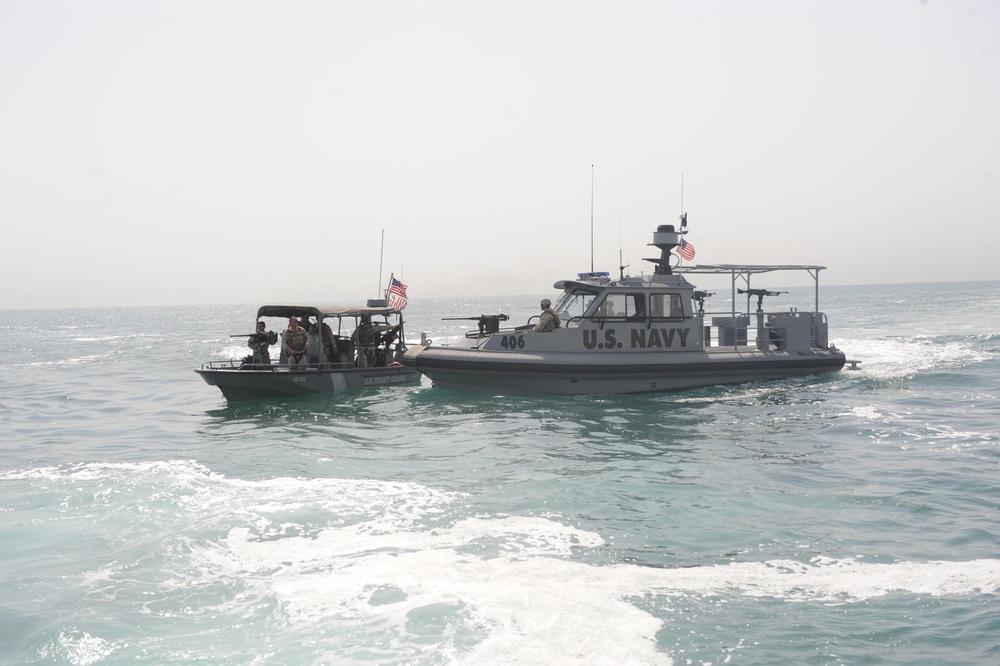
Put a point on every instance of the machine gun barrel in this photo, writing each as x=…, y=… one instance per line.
x=760, y=292
x=258, y=339
x=498, y=317
x=488, y=324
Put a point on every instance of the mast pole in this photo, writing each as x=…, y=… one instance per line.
x=591, y=218
x=381, y=251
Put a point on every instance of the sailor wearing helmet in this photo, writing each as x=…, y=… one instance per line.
x=366, y=337
x=548, y=319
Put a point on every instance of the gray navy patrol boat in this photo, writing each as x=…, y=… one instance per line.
x=639, y=335
x=250, y=378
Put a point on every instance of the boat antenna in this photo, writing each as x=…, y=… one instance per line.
x=621, y=266
x=381, y=251
x=684, y=215
x=591, y=218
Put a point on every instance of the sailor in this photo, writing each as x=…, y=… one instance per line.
x=295, y=343
x=606, y=309
x=329, y=344
x=315, y=338
x=548, y=319
x=259, y=343
x=366, y=336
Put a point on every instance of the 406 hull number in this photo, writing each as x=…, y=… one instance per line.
x=512, y=342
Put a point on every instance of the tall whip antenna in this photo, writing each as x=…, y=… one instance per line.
x=381, y=251
x=684, y=215
x=591, y=218
x=621, y=262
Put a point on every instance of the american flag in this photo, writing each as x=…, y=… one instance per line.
x=687, y=250
x=397, y=294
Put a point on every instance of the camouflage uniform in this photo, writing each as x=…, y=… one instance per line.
x=367, y=338
x=296, y=344
x=259, y=343
x=548, y=320
x=330, y=344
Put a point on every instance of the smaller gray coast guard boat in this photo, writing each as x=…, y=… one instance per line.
x=639, y=335
x=332, y=363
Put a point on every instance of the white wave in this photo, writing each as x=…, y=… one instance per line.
x=869, y=412
x=535, y=604
x=78, y=648
x=354, y=554
x=834, y=581
x=180, y=471
x=511, y=577
x=898, y=358
x=532, y=605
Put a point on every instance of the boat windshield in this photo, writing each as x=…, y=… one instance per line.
x=574, y=302
x=621, y=306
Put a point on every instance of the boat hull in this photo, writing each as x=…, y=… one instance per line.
x=576, y=374
x=245, y=384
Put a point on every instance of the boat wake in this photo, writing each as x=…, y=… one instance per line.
x=362, y=569
x=903, y=357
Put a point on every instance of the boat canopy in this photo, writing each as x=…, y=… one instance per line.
x=323, y=311
x=744, y=271
x=748, y=269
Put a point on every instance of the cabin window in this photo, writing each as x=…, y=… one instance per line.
x=621, y=306
x=574, y=303
x=666, y=306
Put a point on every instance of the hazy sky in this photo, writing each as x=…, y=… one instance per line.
x=158, y=153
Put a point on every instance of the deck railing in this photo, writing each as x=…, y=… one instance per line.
x=237, y=364
x=766, y=330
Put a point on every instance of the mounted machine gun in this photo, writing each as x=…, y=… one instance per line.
x=488, y=324
x=760, y=294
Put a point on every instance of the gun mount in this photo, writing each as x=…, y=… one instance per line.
x=488, y=324
x=760, y=294
x=699, y=297
x=259, y=339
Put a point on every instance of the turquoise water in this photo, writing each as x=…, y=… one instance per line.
x=847, y=519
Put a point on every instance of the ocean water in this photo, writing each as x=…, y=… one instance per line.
x=852, y=518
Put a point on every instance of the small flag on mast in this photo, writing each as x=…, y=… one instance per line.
x=397, y=294
x=687, y=250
